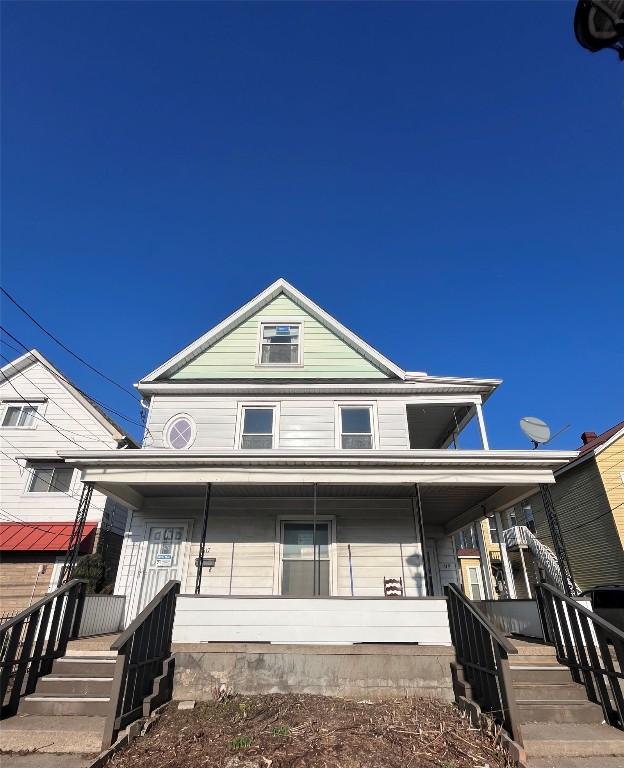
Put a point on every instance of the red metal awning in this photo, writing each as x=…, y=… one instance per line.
x=39, y=537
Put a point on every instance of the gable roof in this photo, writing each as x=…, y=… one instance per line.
x=280, y=286
x=596, y=446
x=28, y=359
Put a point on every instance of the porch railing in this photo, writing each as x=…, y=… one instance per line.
x=483, y=657
x=143, y=677
x=102, y=615
x=32, y=640
x=591, y=647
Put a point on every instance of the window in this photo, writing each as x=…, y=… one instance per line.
x=511, y=514
x=356, y=426
x=493, y=530
x=529, y=520
x=465, y=539
x=180, y=432
x=474, y=583
x=19, y=415
x=305, y=559
x=257, y=427
x=50, y=480
x=280, y=344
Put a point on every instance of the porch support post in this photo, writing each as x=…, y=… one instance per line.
x=316, y=587
x=202, y=541
x=527, y=583
x=486, y=569
x=419, y=528
x=507, y=572
x=484, y=440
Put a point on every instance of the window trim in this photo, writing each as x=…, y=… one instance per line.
x=479, y=582
x=279, y=321
x=171, y=422
x=372, y=406
x=39, y=404
x=30, y=476
x=279, y=549
x=240, y=415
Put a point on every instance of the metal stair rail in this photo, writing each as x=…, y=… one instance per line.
x=32, y=640
x=520, y=535
x=483, y=655
x=143, y=676
x=592, y=648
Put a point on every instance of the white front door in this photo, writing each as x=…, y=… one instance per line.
x=163, y=561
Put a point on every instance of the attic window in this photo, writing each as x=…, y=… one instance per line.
x=180, y=432
x=280, y=344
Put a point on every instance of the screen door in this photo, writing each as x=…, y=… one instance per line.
x=305, y=559
x=163, y=561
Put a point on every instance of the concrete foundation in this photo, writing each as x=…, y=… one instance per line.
x=352, y=671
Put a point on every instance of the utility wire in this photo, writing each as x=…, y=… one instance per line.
x=66, y=348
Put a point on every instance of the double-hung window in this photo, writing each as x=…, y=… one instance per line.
x=258, y=426
x=50, y=480
x=19, y=415
x=280, y=344
x=356, y=426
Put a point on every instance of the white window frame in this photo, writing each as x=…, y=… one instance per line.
x=33, y=402
x=279, y=549
x=238, y=439
x=171, y=422
x=372, y=406
x=30, y=475
x=279, y=321
x=479, y=582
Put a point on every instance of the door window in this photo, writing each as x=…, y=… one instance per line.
x=305, y=559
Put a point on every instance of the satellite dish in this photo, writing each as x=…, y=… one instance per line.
x=535, y=429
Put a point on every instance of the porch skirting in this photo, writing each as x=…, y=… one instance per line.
x=356, y=671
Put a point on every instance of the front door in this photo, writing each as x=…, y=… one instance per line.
x=305, y=559
x=163, y=561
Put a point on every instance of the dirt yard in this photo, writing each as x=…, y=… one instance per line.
x=311, y=732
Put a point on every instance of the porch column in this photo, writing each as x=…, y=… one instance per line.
x=486, y=570
x=202, y=541
x=507, y=572
x=484, y=440
x=419, y=529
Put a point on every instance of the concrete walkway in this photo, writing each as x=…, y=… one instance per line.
x=45, y=760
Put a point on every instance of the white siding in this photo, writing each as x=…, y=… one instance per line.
x=66, y=413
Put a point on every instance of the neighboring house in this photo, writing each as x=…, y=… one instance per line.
x=314, y=469
x=41, y=413
x=589, y=502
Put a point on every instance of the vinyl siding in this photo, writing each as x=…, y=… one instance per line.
x=611, y=467
x=594, y=549
x=326, y=356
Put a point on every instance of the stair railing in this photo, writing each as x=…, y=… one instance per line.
x=520, y=535
x=591, y=647
x=34, y=638
x=483, y=657
x=143, y=676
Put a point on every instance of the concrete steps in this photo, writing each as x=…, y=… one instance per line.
x=57, y=734
x=580, y=740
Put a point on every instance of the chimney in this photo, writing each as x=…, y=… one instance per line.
x=588, y=437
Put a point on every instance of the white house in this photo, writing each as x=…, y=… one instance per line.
x=314, y=469
x=42, y=413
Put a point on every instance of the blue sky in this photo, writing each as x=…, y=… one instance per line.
x=444, y=178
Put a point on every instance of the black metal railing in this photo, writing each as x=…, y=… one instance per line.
x=143, y=661
x=32, y=640
x=591, y=647
x=482, y=655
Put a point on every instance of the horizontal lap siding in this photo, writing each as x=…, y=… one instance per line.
x=611, y=465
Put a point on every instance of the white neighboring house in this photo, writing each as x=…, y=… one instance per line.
x=42, y=413
x=319, y=469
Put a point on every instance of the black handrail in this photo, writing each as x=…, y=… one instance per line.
x=32, y=640
x=587, y=644
x=142, y=650
x=482, y=655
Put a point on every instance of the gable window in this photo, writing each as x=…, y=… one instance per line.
x=280, y=344
x=180, y=432
x=258, y=426
x=356, y=426
x=19, y=415
x=50, y=480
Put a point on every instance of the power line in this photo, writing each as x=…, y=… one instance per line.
x=593, y=519
x=65, y=347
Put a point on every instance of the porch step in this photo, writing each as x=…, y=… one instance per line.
x=84, y=666
x=540, y=674
x=549, y=711
x=41, y=704
x=566, y=691
x=64, y=685
x=560, y=740
x=25, y=732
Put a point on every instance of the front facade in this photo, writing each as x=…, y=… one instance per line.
x=42, y=413
x=291, y=477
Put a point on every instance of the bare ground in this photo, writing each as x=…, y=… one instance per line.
x=288, y=731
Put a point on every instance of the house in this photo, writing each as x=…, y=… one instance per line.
x=589, y=499
x=290, y=470
x=41, y=413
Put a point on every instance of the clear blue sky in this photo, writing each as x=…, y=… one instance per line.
x=444, y=178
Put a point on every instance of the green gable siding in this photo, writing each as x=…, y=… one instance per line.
x=325, y=356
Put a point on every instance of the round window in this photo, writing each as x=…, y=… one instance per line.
x=181, y=432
